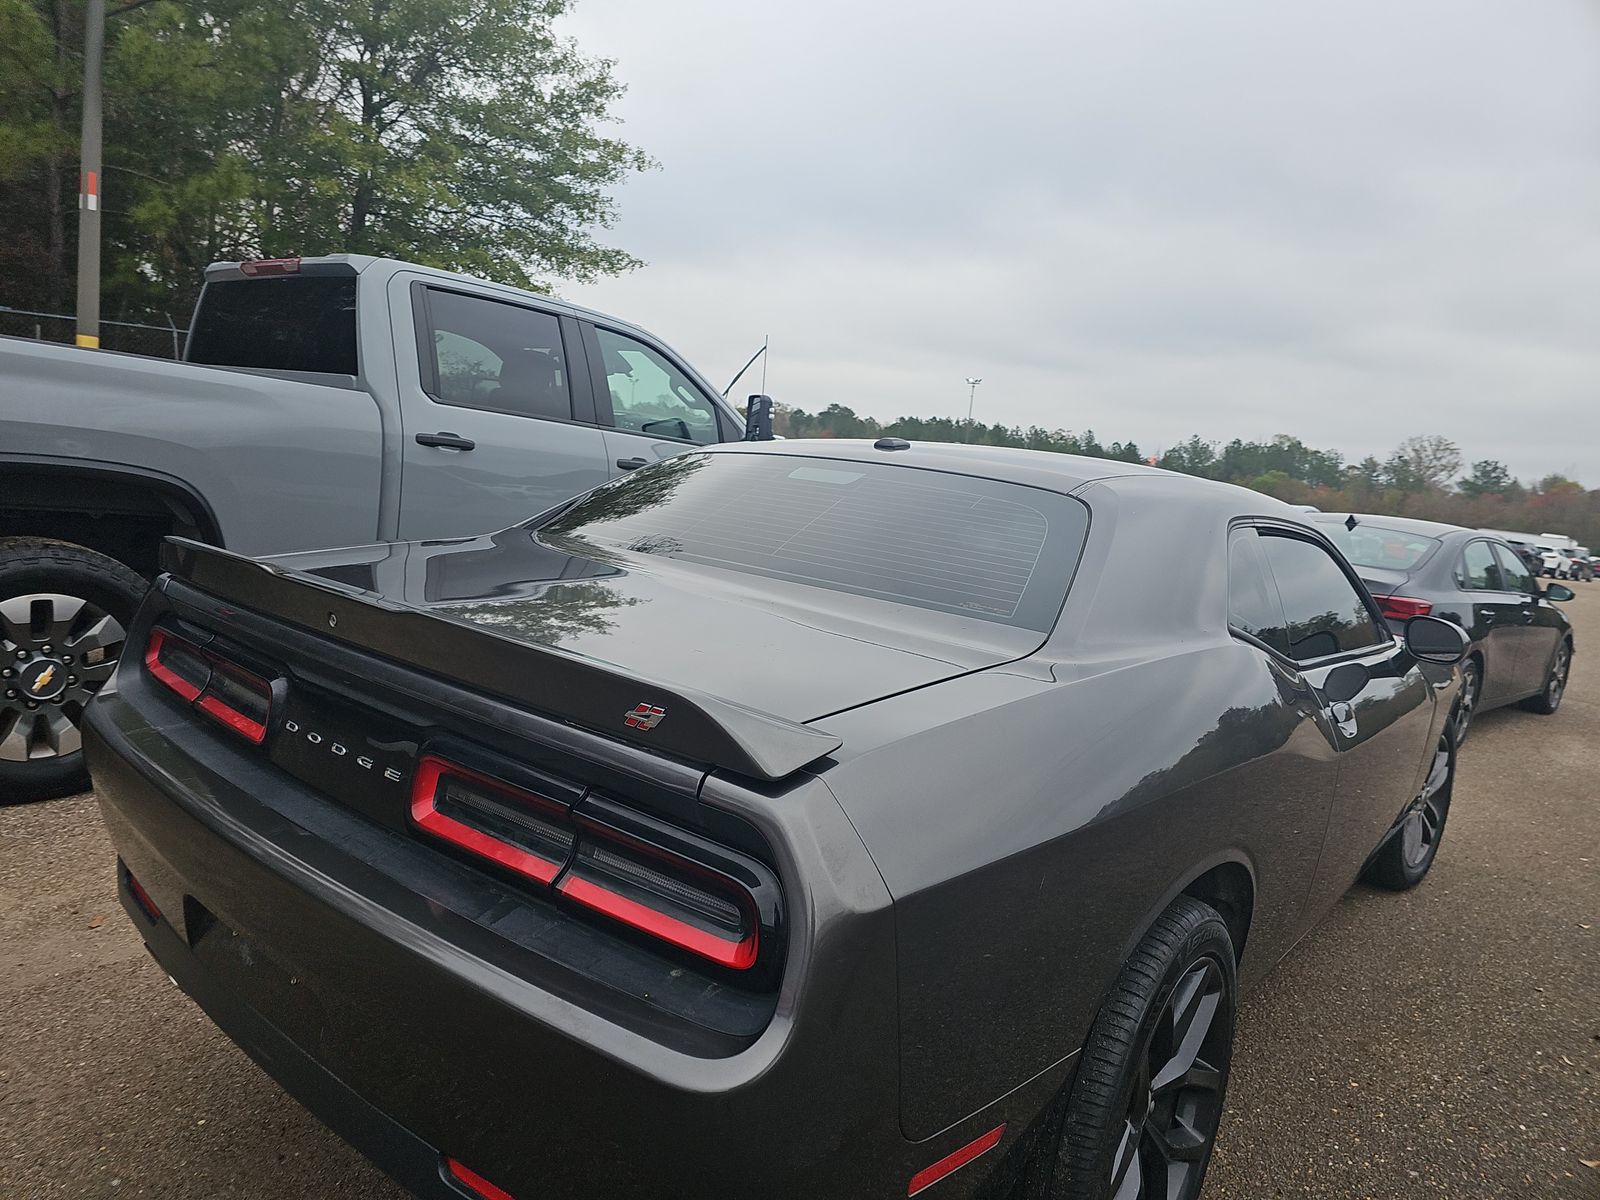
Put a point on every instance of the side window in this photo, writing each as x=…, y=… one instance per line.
x=649, y=395
x=1253, y=605
x=1324, y=612
x=1518, y=577
x=1479, y=571
x=499, y=357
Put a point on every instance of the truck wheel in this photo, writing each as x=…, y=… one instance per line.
x=64, y=611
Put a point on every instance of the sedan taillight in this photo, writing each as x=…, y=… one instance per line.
x=1402, y=608
x=236, y=698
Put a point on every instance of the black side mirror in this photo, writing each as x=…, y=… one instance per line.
x=1558, y=591
x=758, y=419
x=1432, y=639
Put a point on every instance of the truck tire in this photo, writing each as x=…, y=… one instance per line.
x=64, y=612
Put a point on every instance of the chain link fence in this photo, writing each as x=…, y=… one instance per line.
x=130, y=337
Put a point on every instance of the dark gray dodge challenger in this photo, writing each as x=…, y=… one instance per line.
x=788, y=819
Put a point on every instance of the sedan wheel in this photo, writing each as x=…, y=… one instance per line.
x=1467, y=700
x=1405, y=856
x=1143, y=1115
x=1555, y=682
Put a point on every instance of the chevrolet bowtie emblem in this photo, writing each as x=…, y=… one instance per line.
x=45, y=676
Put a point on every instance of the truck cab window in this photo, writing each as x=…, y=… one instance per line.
x=499, y=357
x=651, y=396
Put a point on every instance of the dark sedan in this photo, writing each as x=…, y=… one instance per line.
x=1521, y=643
x=822, y=820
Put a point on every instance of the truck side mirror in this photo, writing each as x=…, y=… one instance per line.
x=758, y=419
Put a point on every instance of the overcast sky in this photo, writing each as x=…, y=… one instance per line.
x=1349, y=222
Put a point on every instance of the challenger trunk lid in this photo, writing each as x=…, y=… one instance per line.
x=795, y=652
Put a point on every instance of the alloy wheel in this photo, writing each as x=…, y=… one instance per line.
x=1176, y=1103
x=1556, y=685
x=1424, y=820
x=1467, y=702
x=55, y=652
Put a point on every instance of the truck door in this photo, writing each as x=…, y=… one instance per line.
x=651, y=406
x=497, y=412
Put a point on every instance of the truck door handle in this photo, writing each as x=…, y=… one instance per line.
x=631, y=464
x=447, y=441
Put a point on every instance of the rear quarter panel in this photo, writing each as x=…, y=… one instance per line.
x=283, y=464
x=1038, y=820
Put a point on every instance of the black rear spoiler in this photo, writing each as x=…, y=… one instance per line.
x=695, y=726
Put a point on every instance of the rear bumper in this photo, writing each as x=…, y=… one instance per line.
x=410, y=1160
x=409, y=1033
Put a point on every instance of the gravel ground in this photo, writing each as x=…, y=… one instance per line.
x=1441, y=1043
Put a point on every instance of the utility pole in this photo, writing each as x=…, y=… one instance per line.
x=94, y=52
x=972, y=395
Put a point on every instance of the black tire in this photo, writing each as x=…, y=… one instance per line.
x=55, y=599
x=1555, y=681
x=1179, y=986
x=1467, y=699
x=1407, y=854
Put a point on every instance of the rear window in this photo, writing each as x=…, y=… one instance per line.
x=1370, y=545
x=975, y=547
x=279, y=323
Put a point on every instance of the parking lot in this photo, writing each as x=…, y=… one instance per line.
x=1444, y=1042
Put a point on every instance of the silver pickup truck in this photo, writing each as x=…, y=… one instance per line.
x=322, y=402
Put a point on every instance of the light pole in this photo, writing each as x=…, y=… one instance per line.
x=972, y=395
x=94, y=46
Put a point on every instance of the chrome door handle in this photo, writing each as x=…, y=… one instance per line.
x=1343, y=716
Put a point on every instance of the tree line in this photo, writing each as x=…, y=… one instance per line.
x=463, y=134
x=1424, y=477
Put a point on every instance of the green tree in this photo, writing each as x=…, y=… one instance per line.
x=1193, y=456
x=460, y=133
x=1400, y=474
x=1489, y=478
x=1432, y=460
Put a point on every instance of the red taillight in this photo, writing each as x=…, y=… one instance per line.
x=477, y=1183
x=1402, y=608
x=654, y=891
x=224, y=691
x=271, y=266
x=237, y=699
x=142, y=899
x=666, y=897
x=518, y=829
x=951, y=1163
x=181, y=666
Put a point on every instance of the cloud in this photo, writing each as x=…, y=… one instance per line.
x=1351, y=223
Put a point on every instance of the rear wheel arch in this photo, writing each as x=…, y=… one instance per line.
x=1227, y=877
x=120, y=512
x=1229, y=888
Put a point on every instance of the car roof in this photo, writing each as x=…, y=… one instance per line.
x=1036, y=468
x=1433, y=529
